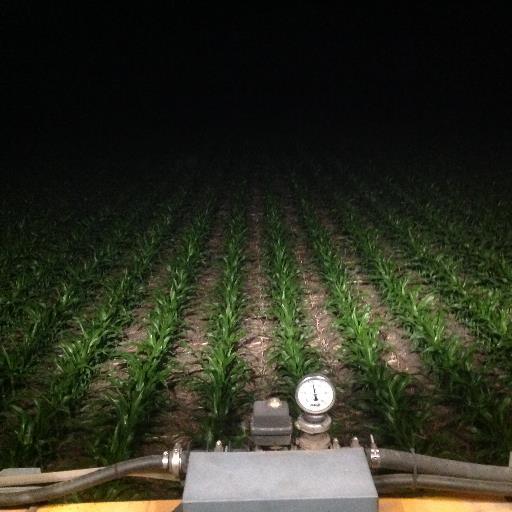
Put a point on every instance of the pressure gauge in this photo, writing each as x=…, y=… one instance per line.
x=315, y=394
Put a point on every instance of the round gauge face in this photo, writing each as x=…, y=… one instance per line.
x=315, y=394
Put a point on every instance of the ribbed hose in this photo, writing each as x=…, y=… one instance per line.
x=106, y=474
x=397, y=484
x=423, y=464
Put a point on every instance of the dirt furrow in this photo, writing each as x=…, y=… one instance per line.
x=401, y=355
x=324, y=336
x=453, y=326
x=257, y=325
x=347, y=419
x=176, y=419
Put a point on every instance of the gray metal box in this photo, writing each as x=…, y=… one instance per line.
x=283, y=481
x=271, y=425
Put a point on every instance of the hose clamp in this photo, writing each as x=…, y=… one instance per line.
x=172, y=460
x=374, y=454
x=165, y=461
x=176, y=460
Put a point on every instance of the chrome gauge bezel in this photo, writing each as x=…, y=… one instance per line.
x=306, y=380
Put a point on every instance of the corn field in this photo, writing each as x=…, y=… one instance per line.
x=137, y=316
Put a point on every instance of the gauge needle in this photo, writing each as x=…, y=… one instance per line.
x=314, y=393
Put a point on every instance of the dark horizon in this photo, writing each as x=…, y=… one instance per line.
x=84, y=80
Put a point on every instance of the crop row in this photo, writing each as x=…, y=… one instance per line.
x=486, y=312
x=37, y=279
x=482, y=311
x=41, y=319
x=224, y=374
x=37, y=427
x=134, y=395
x=391, y=396
x=461, y=382
x=32, y=246
x=47, y=320
x=291, y=354
x=491, y=267
x=486, y=209
x=484, y=219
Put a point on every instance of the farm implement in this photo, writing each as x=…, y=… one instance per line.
x=286, y=465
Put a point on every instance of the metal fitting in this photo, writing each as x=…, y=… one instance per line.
x=274, y=402
x=314, y=441
x=313, y=424
x=172, y=461
x=165, y=461
x=176, y=460
x=374, y=454
x=354, y=442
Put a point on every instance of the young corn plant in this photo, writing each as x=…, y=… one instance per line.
x=486, y=222
x=46, y=270
x=392, y=396
x=39, y=427
x=487, y=413
x=46, y=321
x=486, y=312
x=292, y=355
x=134, y=396
x=221, y=384
x=488, y=265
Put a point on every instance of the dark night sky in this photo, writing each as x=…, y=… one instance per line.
x=99, y=72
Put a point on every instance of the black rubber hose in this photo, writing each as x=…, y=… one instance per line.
x=406, y=461
x=398, y=483
x=106, y=474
